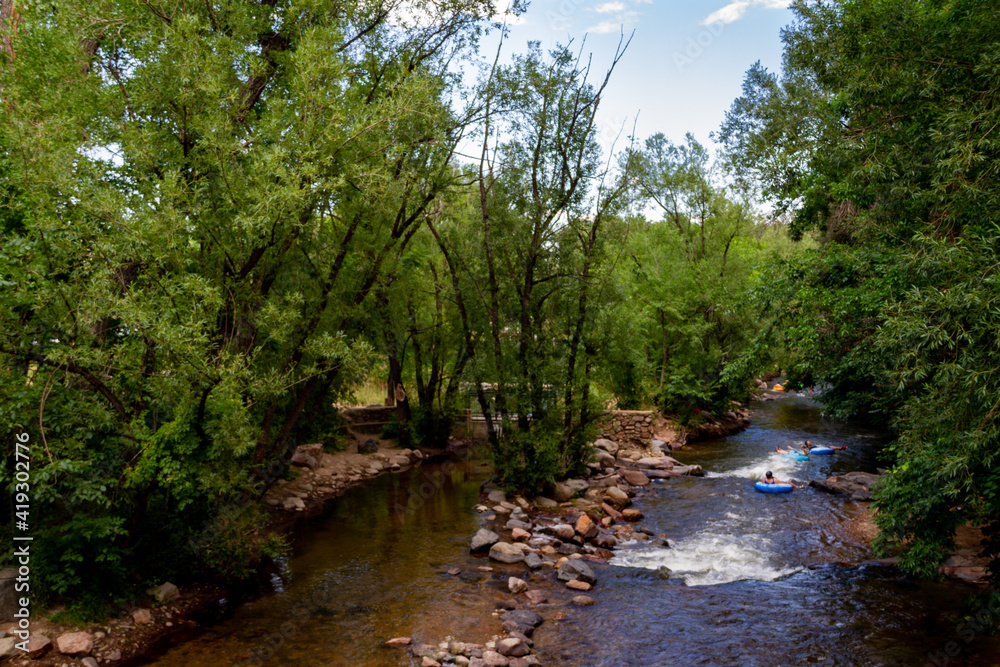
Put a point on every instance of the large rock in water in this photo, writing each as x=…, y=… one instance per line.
x=576, y=569
x=483, y=540
x=506, y=553
x=522, y=620
x=857, y=485
x=617, y=498
x=635, y=478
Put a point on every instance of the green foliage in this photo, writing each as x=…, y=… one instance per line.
x=527, y=462
x=240, y=544
x=880, y=132
x=687, y=274
x=195, y=212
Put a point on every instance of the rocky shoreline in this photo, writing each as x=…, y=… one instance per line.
x=167, y=611
x=547, y=549
x=602, y=500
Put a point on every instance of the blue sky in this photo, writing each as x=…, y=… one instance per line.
x=685, y=64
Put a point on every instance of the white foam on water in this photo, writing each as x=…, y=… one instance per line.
x=780, y=465
x=708, y=558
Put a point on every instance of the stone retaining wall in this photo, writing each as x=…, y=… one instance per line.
x=627, y=427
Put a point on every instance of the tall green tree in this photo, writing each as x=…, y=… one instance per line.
x=903, y=171
x=215, y=191
x=688, y=270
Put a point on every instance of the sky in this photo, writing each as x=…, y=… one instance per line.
x=685, y=64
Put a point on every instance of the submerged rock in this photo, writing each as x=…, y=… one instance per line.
x=506, y=553
x=483, y=540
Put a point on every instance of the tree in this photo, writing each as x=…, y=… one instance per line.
x=908, y=174
x=688, y=270
x=215, y=192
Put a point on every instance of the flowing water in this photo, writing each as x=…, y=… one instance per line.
x=754, y=579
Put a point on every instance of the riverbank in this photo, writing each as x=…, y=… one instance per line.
x=316, y=478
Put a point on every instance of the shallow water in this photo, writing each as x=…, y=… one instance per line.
x=755, y=579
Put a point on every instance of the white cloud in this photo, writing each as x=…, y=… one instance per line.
x=610, y=7
x=737, y=9
x=620, y=22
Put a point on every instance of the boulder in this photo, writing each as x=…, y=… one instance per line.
x=519, y=535
x=512, y=647
x=524, y=618
x=505, y=552
x=494, y=659
x=857, y=485
x=578, y=485
x=562, y=493
x=398, y=642
x=567, y=549
x=603, y=459
x=142, y=617
x=605, y=541
x=369, y=446
x=38, y=645
x=293, y=504
x=542, y=501
x=483, y=540
x=578, y=585
x=564, y=531
x=533, y=560
x=657, y=462
x=635, y=478
x=517, y=523
x=89, y=662
x=536, y=597
x=576, y=569
x=582, y=601
x=7, y=647
x=497, y=496
x=584, y=524
x=163, y=593
x=692, y=471
x=515, y=585
x=617, y=498
x=74, y=643
x=308, y=455
x=610, y=446
x=632, y=515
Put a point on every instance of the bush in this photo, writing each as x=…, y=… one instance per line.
x=238, y=544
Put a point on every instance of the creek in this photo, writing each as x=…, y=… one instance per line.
x=754, y=579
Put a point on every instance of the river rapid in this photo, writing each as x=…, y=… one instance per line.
x=751, y=578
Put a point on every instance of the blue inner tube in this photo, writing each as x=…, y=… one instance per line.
x=797, y=457
x=821, y=450
x=772, y=488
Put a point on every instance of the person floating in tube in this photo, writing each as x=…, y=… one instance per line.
x=804, y=452
x=771, y=479
x=809, y=446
